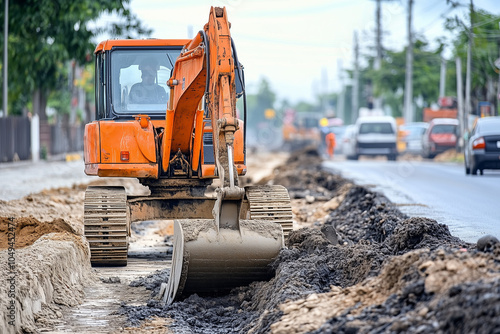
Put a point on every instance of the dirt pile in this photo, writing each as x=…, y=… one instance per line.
x=51, y=257
x=303, y=176
x=152, y=282
x=28, y=229
x=450, y=156
x=49, y=205
x=388, y=273
x=49, y=273
x=361, y=266
x=366, y=216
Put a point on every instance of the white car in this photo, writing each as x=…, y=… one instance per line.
x=376, y=135
x=412, y=134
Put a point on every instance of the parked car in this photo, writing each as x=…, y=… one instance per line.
x=376, y=135
x=348, y=142
x=412, y=134
x=440, y=136
x=483, y=147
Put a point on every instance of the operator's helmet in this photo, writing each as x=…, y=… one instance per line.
x=149, y=66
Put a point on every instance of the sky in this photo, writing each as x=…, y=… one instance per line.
x=299, y=46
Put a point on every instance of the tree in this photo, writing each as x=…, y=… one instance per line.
x=45, y=34
x=485, y=50
x=258, y=103
x=390, y=79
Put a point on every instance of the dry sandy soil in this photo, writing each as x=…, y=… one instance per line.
x=354, y=264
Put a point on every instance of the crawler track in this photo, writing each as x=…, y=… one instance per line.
x=106, y=225
x=271, y=203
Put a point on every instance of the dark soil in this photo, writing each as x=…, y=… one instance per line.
x=391, y=274
x=152, y=282
x=303, y=176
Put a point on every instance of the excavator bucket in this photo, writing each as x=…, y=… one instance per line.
x=209, y=260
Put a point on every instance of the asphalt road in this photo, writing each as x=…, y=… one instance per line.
x=18, y=179
x=469, y=205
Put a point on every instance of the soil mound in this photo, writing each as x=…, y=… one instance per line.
x=28, y=229
x=388, y=274
x=303, y=176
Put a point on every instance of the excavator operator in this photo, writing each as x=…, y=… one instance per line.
x=148, y=91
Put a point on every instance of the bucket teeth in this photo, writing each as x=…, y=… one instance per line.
x=106, y=225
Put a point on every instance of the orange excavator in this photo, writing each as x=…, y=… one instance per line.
x=166, y=114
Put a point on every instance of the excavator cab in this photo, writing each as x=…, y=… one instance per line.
x=166, y=114
x=123, y=69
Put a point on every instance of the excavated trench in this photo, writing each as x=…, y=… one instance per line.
x=355, y=264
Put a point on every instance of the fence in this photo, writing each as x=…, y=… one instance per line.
x=66, y=139
x=15, y=138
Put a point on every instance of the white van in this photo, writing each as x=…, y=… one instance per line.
x=376, y=135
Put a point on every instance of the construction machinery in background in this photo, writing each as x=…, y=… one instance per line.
x=446, y=108
x=177, y=149
x=301, y=129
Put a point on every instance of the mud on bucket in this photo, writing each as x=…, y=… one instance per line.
x=207, y=261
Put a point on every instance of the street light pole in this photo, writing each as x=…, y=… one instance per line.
x=5, y=64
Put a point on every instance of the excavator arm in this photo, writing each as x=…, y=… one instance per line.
x=213, y=255
x=208, y=55
x=205, y=68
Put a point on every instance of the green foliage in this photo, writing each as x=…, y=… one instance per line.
x=60, y=100
x=303, y=106
x=485, y=50
x=258, y=103
x=389, y=81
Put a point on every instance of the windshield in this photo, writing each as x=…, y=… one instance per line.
x=384, y=128
x=414, y=132
x=139, y=80
x=490, y=126
x=444, y=128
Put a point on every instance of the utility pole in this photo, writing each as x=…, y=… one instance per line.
x=5, y=61
x=341, y=98
x=355, y=84
x=460, y=102
x=498, y=84
x=408, y=105
x=377, y=65
x=377, y=102
x=442, y=78
x=378, y=59
x=468, y=104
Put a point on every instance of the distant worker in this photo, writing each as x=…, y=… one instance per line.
x=330, y=144
x=148, y=91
